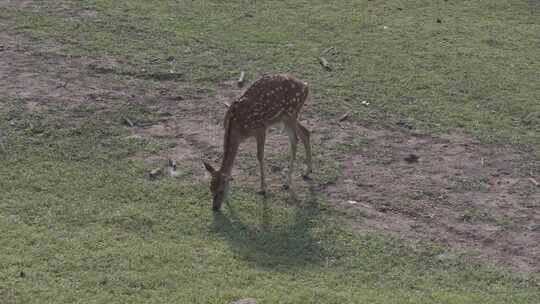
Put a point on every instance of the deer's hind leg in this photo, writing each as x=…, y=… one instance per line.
x=293, y=143
x=303, y=133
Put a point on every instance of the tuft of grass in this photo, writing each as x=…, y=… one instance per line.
x=474, y=215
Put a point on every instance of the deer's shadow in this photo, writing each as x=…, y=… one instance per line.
x=273, y=240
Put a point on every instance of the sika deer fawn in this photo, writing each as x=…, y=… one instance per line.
x=270, y=100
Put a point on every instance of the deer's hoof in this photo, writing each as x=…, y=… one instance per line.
x=262, y=192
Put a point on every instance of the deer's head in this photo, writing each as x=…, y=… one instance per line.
x=219, y=185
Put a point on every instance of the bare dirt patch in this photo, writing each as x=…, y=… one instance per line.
x=46, y=77
x=458, y=192
x=16, y=3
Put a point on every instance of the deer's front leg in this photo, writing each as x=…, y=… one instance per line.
x=261, y=139
x=293, y=142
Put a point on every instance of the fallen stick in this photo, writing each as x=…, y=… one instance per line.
x=328, y=50
x=129, y=122
x=344, y=116
x=154, y=173
x=324, y=63
x=534, y=181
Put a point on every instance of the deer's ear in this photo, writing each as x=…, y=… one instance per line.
x=209, y=167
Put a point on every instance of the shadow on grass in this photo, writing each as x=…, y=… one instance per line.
x=275, y=241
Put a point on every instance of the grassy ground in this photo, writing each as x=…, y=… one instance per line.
x=80, y=221
x=476, y=69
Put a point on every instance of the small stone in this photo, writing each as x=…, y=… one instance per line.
x=444, y=257
x=535, y=228
x=405, y=124
x=172, y=164
x=275, y=169
x=412, y=158
x=382, y=209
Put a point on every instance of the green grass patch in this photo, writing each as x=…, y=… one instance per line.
x=440, y=65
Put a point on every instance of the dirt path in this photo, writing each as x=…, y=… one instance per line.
x=458, y=192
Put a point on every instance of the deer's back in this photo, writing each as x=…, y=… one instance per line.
x=267, y=101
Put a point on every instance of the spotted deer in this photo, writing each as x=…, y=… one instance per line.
x=270, y=100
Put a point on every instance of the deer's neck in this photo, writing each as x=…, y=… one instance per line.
x=231, y=142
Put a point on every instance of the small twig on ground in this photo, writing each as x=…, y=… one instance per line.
x=328, y=50
x=129, y=122
x=534, y=181
x=344, y=116
x=63, y=85
x=226, y=104
x=1, y=142
x=241, y=79
x=154, y=173
x=324, y=63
